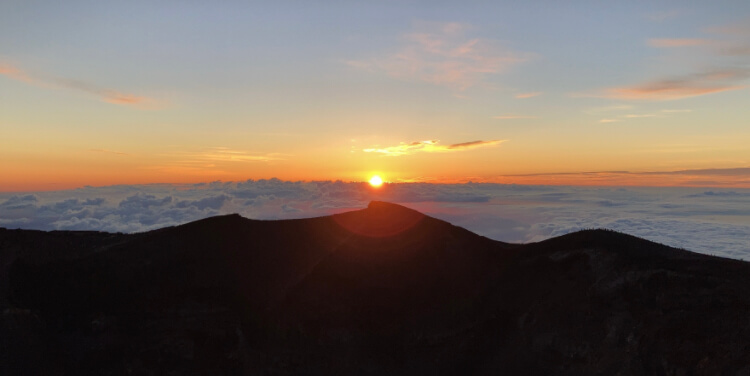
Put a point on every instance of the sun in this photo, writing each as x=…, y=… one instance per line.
x=376, y=181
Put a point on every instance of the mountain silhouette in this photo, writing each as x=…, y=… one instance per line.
x=383, y=290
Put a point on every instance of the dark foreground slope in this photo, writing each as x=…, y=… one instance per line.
x=384, y=290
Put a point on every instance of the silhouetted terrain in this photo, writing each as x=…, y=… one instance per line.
x=384, y=290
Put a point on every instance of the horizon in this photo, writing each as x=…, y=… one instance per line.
x=720, y=178
x=578, y=94
x=702, y=219
x=631, y=116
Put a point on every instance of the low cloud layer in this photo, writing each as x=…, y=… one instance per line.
x=712, y=221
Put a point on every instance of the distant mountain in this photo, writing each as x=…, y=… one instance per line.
x=383, y=290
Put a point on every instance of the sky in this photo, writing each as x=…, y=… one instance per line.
x=606, y=93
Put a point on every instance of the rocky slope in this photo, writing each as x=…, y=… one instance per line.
x=383, y=290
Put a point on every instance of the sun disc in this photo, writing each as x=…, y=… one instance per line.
x=376, y=181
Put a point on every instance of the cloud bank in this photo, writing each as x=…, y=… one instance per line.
x=712, y=221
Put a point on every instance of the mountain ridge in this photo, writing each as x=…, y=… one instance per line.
x=384, y=289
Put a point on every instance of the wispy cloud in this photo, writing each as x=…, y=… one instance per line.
x=733, y=44
x=430, y=146
x=528, y=95
x=738, y=28
x=720, y=177
x=473, y=144
x=735, y=38
x=14, y=73
x=509, y=117
x=224, y=154
x=738, y=171
x=703, y=83
x=662, y=114
x=441, y=54
x=212, y=160
x=677, y=42
x=103, y=94
x=727, y=49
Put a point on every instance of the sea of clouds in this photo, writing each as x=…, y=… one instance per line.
x=706, y=220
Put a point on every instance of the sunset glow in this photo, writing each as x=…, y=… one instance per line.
x=643, y=93
x=376, y=181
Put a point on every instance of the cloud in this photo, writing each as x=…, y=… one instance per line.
x=14, y=73
x=726, y=51
x=19, y=202
x=735, y=39
x=473, y=144
x=703, y=83
x=212, y=202
x=104, y=94
x=734, y=29
x=669, y=43
x=137, y=208
x=430, y=146
x=224, y=154
x=730, y=194
x=741, y=171
x=211, y=160
x=140, y=201
x=441, y=54
x=711, y=221
x=528, y=95
x=664, y=113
